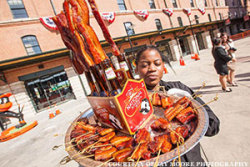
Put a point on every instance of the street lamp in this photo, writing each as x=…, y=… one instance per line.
x=129, y=28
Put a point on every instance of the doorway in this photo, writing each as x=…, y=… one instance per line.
x=164, y=48
x=49, y=90
x=200, y=41
x=183, y=41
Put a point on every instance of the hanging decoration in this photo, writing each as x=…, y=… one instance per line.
x=48, y=22
x=168, y=11
x=202, y=10
x=142, y=14
x=187, y=11
x=109, y=17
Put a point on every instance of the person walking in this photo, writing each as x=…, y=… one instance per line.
x=229, y=47
x=220, y=64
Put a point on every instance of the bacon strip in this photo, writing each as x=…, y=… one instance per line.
x=104, y=28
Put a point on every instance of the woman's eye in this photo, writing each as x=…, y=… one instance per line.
x=157, y=63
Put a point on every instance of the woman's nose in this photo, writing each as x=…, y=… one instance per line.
x=152, y=67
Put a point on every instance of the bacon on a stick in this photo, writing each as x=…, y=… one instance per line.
x=104, y=28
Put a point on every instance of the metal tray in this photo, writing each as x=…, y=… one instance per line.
x=190, y=143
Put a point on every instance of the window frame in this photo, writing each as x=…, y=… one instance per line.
x=192, y=3
x=196, y=17
x=15, y=8
x=174, y=3
x=152, y=4
x=159, y=26
x=209, y=17
x=28, y=47
x=127, y=30
x=180, y=21
x=119, y=3
x=205, y=3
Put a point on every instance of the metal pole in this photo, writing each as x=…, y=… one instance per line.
x=193, y=36
x=53, y=7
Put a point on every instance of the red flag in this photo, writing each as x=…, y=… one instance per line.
x=142, y=13
x=168, y=12
x=187, y=11
x=109, y=16
x=48, y=22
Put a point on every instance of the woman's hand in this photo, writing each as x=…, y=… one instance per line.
x=234, y=60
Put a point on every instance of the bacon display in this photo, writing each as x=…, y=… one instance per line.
x=104, y=28
x=103, y=155
x=78, y=35
x=186, y=115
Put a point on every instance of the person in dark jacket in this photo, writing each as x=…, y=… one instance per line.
x=150, y=66
x=220, y=64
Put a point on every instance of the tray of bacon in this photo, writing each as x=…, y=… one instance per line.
x=177, y=126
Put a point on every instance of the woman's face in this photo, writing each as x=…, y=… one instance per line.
x=150, y=67
x=224, y=38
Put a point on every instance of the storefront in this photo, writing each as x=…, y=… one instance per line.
x=200, y=41
x=48, y=87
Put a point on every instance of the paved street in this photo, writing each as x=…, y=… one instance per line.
x=34, y=148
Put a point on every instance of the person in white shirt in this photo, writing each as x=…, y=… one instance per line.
x=229, y=47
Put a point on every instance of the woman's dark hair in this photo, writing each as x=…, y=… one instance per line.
x=216, y=41
x=225, y=34
x=148, y=47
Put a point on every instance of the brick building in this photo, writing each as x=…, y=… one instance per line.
x=35, y=64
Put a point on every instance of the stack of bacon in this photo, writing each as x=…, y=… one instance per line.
x=78, y=35
x=105, y=145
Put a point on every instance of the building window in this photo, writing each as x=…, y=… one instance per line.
x=209, y=17
x=192, y=3
x=152, y=4
x=121, y=5
x=31, y=45
x=245, y=3
x=180, y=21
x=216, y=3
x=158, y=24
x=174, y=4
x=196, y=19
x=129, y=28
x=205, y=3
x=17, y=8
x=240, y=4
x=220, y=16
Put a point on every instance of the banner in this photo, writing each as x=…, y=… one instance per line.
x=109, y=16
x=48, y=22
x=202, y=10
x=168, y=12
x=187, y=11
x=142, y=13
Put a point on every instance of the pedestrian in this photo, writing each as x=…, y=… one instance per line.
x=229, y=47
x=221, y=59
x=150, y=67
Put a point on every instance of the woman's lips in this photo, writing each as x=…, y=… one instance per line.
x=152, y=77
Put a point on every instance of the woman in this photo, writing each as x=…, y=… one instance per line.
x=150, y=66
x=220, y=64
x=229, y=47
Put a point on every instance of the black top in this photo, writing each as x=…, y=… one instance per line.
x=220, y=55
x=194, y=155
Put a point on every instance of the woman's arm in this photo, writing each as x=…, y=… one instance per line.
x=223, y=54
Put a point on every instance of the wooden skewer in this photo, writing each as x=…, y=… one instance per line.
x=85, y=149
x=157, y=159
x=105, y=162
x=101, y=146
x=87, y=156
x=137, y=147
x=214, y=99
x=179, y=154
x=57, y=146
x=194, y=95
x=137, y=161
